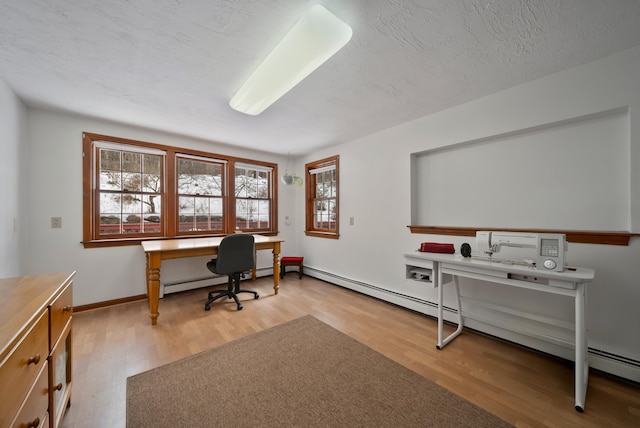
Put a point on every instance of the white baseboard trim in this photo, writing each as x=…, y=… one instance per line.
x=598, y=359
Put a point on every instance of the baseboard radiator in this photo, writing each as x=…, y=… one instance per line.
x=602, y=360
x=205, y=281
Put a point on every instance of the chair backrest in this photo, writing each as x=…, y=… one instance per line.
x=236, y=253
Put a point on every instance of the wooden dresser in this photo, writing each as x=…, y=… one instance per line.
x=35, y=349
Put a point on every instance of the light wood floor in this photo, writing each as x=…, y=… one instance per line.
x=523, y=387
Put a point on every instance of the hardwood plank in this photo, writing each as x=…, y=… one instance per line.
x=524, y=387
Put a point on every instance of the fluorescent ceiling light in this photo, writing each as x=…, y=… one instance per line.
x=313, y=39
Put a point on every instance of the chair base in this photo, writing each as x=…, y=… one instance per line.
x=231, y=292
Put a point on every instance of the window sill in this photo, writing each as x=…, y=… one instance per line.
x=136, y=241
x=318, y=234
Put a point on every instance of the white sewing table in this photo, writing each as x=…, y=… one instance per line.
x=572, y=283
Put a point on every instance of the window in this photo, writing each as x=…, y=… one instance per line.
x=128, y=190
x=322, y=198
x=134, y=190
x=200, y=194
x=253, y=197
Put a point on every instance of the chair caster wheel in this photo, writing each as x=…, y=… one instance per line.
x=239, y=307
x=207, y=307
x=256, y=296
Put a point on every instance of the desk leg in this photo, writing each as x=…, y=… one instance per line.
x=153, y=285
x=254, y=271
x=438, y=275
x=582, y=362
x=276, y=267
x=443, y=341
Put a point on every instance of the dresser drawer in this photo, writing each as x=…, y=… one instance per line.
x=61, y=310
x=21, y=367
x=34, y=410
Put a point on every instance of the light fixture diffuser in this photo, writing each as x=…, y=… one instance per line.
x=316, y=37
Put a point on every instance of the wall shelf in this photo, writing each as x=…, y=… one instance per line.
x=577, y=236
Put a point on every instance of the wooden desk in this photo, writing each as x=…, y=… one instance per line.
x=570, y=283
x=159, y=250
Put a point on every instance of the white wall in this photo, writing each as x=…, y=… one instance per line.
x=368, y=255
x=13, y=115
x=55, y=190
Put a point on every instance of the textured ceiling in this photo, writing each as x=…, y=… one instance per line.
x=173, y=65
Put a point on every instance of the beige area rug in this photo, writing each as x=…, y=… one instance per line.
x=303, y=373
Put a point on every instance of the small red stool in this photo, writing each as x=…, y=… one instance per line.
x=291, y=261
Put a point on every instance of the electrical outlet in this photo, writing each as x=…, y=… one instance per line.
x=352, y=221
x=56, y=222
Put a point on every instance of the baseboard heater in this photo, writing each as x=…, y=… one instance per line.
x=204, y=281
x=190, y=280
x=374, y=288
x=608, y=362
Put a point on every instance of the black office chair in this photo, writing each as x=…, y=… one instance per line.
x=236, y=255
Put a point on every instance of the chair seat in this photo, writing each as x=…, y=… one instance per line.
x=291, y=259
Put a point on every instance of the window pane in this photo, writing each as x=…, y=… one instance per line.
x=110, y=160
x=110, y=204
x=152, y=164
x=110, y=214
x=151, y=204
x=216, y=213
x=151, y=224
x=152, y=220
x=319, y=217
x=264, y=208
x=132, y=223
x=110, y=224
x=151, y=183
x=132, y=204
x=110, y=172
x=331, y=215
x=131, y=181
x=122, y=203
x=252, y=214
x=244, y=184
x=199, y=214
x=252, y=183
x=131, y=162
x=244, y=213
x=262, y=187
x=199, y=178
x=110, y=180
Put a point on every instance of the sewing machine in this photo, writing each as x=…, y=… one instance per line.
x=549, y=247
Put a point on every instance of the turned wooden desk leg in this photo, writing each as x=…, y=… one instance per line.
x=254, y=274
x=153, y=285
x=276, y=267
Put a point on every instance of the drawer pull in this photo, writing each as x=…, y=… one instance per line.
x=34, y=360
x=34, y=424
x=66, y=308
x=58, y=387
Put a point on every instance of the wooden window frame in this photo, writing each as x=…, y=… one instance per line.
x=270, y=190
x=310, y=228
x=178, y=195
x=169, y=210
